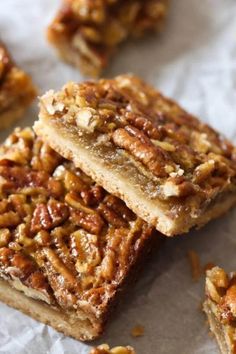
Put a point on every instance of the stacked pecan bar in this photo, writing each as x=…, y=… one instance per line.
x=220, y=308
x=16, y=90
x=170, y=169
x=87, y=32
x=67, y=247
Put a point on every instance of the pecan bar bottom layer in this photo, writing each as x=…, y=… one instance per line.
x=79, y=325
x=86, y=34
x=64, y=241
x=172, y=170
x=220, y=308
x=16, y=90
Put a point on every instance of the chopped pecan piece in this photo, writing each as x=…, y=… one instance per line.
x=48, y=216
x=93, y=196
x=23, y=177
x=85, y=250
x=5, y=237
x=119, y=207
x=111, y=216
x=6, y=255
x=59, y=267
x=23, y=266
x=9, y=219
x=92, y=223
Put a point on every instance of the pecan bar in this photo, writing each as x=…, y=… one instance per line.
x=220, y=308
x=67, y=247
x=87, y=32
x=172, y=170
x=16, y=90
x=105, y=349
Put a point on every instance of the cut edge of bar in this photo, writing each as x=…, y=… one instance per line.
x=79, y=327
x=220, y=333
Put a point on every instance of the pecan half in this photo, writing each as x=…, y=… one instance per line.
x=140, y=147
x=49, y=216
x=92, y=223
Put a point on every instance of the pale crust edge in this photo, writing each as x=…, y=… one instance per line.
x=70, y=55
x=151, y=211
x=78, y=328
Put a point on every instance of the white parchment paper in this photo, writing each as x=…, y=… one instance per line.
x=193, y=61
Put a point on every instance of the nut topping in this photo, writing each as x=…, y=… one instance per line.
x=222, y=290
x=61, y=235
x=85, y=119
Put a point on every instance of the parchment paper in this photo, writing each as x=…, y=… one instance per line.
x=193, y=61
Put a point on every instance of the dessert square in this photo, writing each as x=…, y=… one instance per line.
x=67, y=247
x=220, y=308
x=16, y=90
x=171, y=169
x=86, y=32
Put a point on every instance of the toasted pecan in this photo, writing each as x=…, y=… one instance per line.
x=142, y=150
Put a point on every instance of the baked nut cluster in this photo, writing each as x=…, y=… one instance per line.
x=105, y=349
x=61, y=234
x=221, y=289
x=220, y=307
x=87, y=32
x=16, y=90
x=175, y=158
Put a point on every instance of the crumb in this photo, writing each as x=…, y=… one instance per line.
x=137, y=331
x=200, y=306
x=195, y=265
